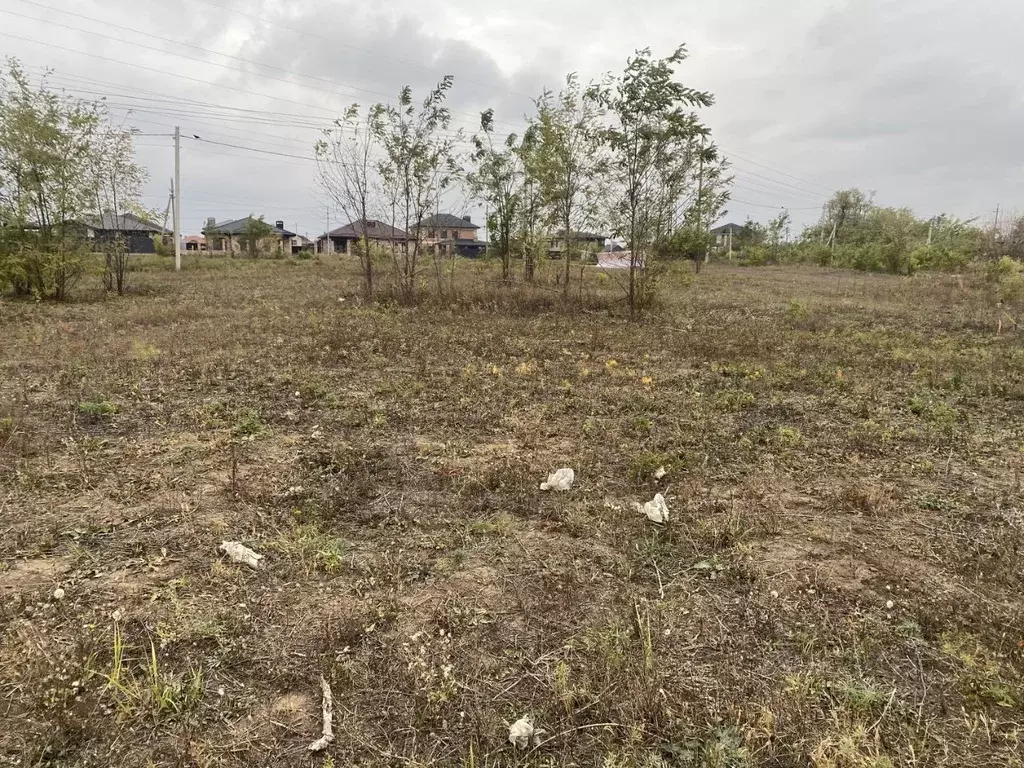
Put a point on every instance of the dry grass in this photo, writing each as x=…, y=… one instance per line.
x=839, y=586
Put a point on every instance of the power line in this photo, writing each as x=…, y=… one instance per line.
x=775, y=170
x=132, y=30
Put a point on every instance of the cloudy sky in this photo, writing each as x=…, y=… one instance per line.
x=920, y=101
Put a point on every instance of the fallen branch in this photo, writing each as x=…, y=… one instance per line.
x=328, y=711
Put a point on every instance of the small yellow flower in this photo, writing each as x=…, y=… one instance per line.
x=495, y=370
x=525, y=369
x=584, y=373
x=647, y=381
x=612, y=364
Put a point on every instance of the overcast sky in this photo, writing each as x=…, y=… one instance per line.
x=921, y=101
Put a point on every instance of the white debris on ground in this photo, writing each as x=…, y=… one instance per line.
x=659, y=473
x=559, y=480
x=521, y=732
x=328, y=713
x=656, y=509
x=240, y=553
x=58, y=593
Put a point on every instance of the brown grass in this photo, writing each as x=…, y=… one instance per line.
x=839, y=586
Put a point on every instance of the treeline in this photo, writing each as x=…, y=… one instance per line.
x=61, y=160
x=627, y=155
x=857, y=234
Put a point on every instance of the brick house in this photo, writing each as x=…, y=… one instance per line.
x=451, y=232
x=233, y=236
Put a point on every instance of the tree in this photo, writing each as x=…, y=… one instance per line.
x=566, y=161
x=845, y=213
x=418, y=165
x=119, y=183
x=652, y=140
x=254, y=234
x=497, y=178
x=530, y=222
x=778, y=232
x=345, y=157
x=47, y=183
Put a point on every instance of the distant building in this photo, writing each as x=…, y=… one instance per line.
x=138, y=234
x=725, y=233
x=302, y=243
x=584, y=243
x=233, y=236
x=451, y=233
x=195, y=243
x=342, y=239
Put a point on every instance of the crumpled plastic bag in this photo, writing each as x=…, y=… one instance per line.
x=656, y=509
x=559, y=480
x=240, y=553
x=659, y=473
x=521, y=732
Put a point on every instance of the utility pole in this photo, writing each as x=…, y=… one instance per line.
x=177, y=198
x=930, y=223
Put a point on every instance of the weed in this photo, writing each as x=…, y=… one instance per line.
x=248, y=424
x=98, y=409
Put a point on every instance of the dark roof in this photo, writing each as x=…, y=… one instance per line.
x=125, y=222
x=447, y=220
x=374, y=230
x=726, y=228
x=239, y=227
x=582, y=236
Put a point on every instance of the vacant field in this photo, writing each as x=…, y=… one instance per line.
x=839, y=584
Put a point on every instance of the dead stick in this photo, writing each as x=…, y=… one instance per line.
x=328, y=711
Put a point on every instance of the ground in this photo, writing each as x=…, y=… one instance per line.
x=839, y=583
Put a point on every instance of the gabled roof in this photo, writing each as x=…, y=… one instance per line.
x=374, y=230
x=125, y=222
x=447, y=220
x=239, y=227
x=726, y=228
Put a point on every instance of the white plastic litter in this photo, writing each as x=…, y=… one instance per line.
x=240, y=553
x=559, y=480
x=659, y=473
x=521, y=732
x=58, y=593
x=328, y=713
x=656, y=509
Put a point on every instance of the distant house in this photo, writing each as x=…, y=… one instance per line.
x=725, y=233
x=451, y=233
x=343, y=239
x=233, y=236
x=582, y=242
x=137, y=233
x=302, y=243
x=195, y=243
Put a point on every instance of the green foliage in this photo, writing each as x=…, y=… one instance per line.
x=419, y=164
x=61, y=159
x=97, y=410
x=657, y=154
x=248, y=424
x=565, y=162
x=498, y=179
x=255, y=236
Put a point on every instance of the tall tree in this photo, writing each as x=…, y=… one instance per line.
x=497, y=178
x=845, y=212
x=119, y=181
x=567, y=162
x=418, y=165
x=47, y=183
x=651, y=138
x=346, y=166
